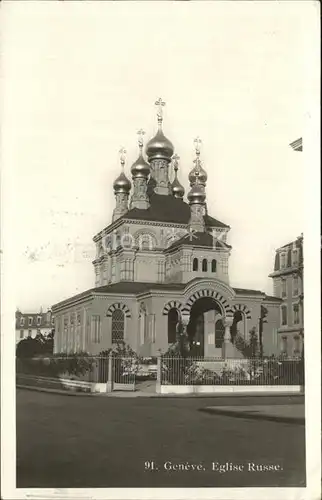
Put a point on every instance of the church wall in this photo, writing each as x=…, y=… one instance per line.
x=71, y=335
x=146, y=267
x=271, y=341
x=100, y=307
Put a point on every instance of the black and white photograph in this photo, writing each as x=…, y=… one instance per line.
x=160, y=307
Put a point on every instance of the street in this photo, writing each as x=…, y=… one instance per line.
x=88, y=442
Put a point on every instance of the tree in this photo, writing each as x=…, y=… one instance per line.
x=262, y=320
x=250, y=350
x=41, y=345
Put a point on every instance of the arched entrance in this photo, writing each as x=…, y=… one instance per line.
x=204, y=314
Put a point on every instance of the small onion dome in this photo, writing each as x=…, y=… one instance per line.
x=140, y=168
x=122, y=184
x=177, y=189
x=159, y=147
x=202, y=175
x=196, y=194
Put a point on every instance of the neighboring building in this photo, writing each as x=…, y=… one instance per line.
x=162, y=260
x=30, y=324
x=297, y=145
x=288, y=285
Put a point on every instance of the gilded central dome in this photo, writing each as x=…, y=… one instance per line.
x=159, y=147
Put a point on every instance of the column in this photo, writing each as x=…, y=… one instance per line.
x=183, y=333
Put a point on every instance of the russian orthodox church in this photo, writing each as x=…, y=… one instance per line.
x=160, y=263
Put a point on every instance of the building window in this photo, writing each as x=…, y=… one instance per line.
x=117, y=326
x=30, y=321
x=204, y=265
x=21, y=334
x=195, y=264
x=295, y=286
x=296, y=316
x=284, y=345
x=295, y=258
x=22, y=321
x=296, y=345
x=213, y=265
x=219, y=333
x=53, y=321
x=29, y=333
x=38, y=320
x=284, y=315
x=283, y=286
x=282, y=260
x=96, y=328
x=173, y=318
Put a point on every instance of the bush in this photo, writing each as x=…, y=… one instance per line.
x=57, y=365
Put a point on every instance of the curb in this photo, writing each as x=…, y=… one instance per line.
x=55, y=391
x=116, y=395
x=255, y=416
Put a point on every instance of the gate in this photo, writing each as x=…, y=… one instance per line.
x=123, y=374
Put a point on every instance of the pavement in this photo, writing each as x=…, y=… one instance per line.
x=102, y=442
x=279, y=413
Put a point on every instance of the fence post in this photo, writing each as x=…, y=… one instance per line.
x=109, y=383
x=158, y=384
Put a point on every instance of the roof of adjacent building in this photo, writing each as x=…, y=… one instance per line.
x=200, y=239
x=45, y=321
x=168, y=209
x=297, y=145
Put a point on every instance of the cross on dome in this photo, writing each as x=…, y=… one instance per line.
x=159, y=104
x=140, y=134
x=197, y=143
x=122, y=153
x=175, y=160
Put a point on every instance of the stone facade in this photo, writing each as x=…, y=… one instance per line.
x=31, y=324
x=288, y=286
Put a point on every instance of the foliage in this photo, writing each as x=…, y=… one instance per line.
x=56, y=365
x=233, y=372
x=126, y=360
x=41, y=345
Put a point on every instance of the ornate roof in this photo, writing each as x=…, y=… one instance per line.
x=168, y=209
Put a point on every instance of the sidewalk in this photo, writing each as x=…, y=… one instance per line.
x=279, y=413
x=142, y=394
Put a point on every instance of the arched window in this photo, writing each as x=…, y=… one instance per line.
x=117, y=326
x=219, y=333
x=213, y=265
x=239, y=326
x=173, y=318
x=195, y=264
x=204, y=265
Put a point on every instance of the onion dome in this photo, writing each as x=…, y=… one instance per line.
x=159, y=147
x=202, y=173
x=122, y=183
x=140, y=167
x=197, y=193
x=176, y=188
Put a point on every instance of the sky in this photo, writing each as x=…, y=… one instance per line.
x=81, y=78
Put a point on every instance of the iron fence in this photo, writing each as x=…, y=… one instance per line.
x=217, y=371
x=94, y=369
